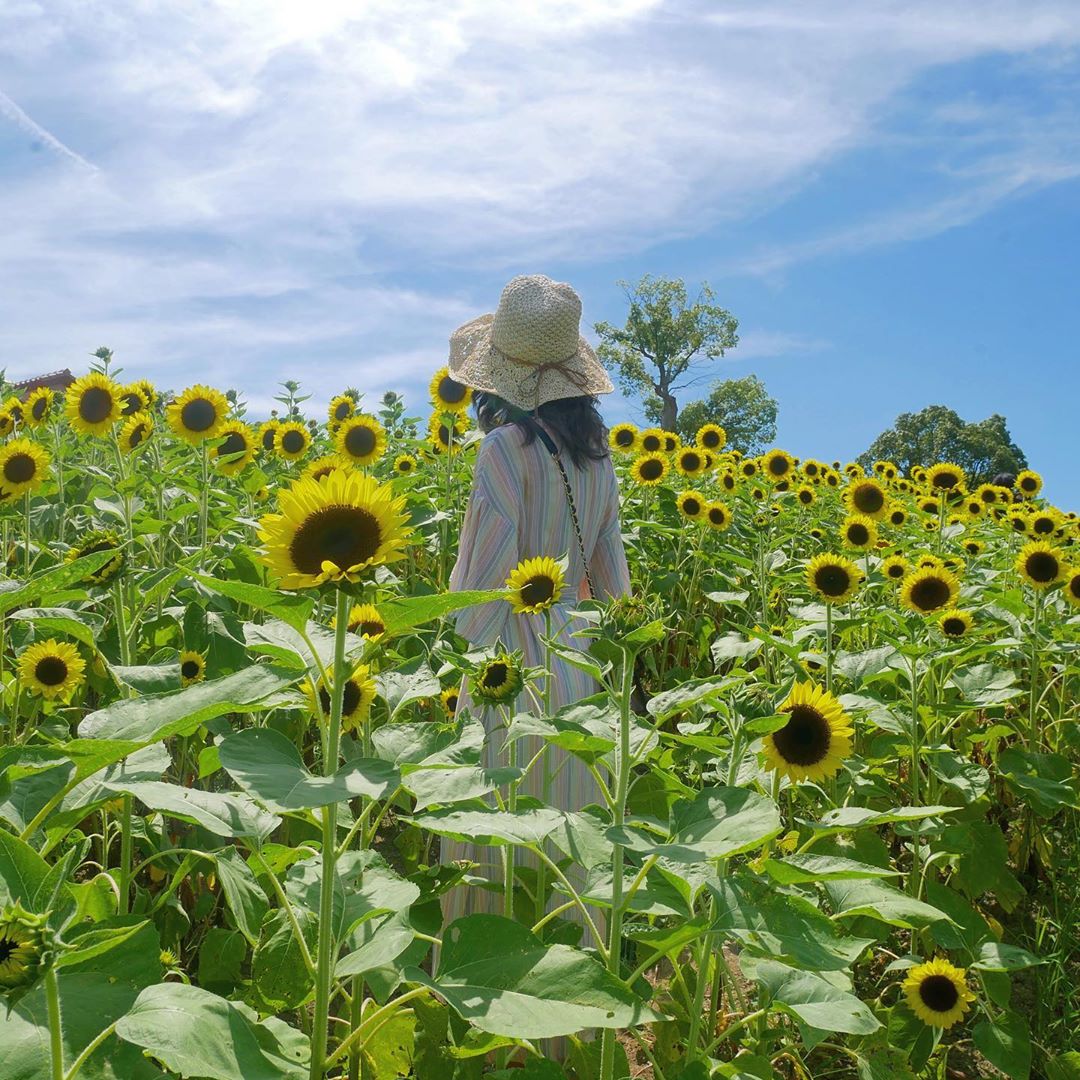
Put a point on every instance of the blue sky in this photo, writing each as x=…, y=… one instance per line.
x=885, y=194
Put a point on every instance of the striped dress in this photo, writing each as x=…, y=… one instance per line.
x=518, y=510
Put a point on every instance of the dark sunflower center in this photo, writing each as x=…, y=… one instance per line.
x=189, y=669
x=1018, y=524
x=1028, y=484
x=624, y=438
x=691, y=506
x=538, y=590
x=369, y=628
x=896, y=571
x=953, y=627
x=1074, y=586
x=651, y=470
x=710, y=440
x=451, y=703
x=95, y=405
x=360, y=441
x=130, y=403
x=749, y=469
x=832, y=580
x=868, y=498
x=495, y=675
x=50, y=671
x=19, y=468
x=1042, y=566
x=805, y=738
x=138, y=433
x=717, y=516
x=897, y=517
x=342, y=411
x=939, y=993
x=778, y=466
x=350, y=699
x=268, y=438
x=444, y=435
x=930, y=593
x=806, y=497
x=234, y=443
x=199, y=414
x=946, y=480
x=729, y=483
x=325, y=470
x=691, y=462
x=858, y=534
x=450, y=390
x=1042, y=526
x=404, y=466
x=39, y=408
x=7, y=947
x=989, y=496
x=669, y=443
x=651, y=443
x=346, y=536
x=292, y=442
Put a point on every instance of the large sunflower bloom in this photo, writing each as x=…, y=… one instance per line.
x=497, y=680
x=92, y=404
x=444, y=435
x=711, y=437
x=100, y=540
x=1039, y=564
x=929, y=589
x=447, y=394
x=859, y=532
x=136, y=431
x=39, y=406
x=955, y=623
x=937, y=993
x=192, y=667
x=361, y=439
x=651, y=440
x=133, y=399
x=718, y=515
x=236, y=450
x=945, y=476
x=404, y=464
x=649, y=469
x=292, y=440
x=267, y=435
x=535, y=585
x=813, y=743
x=198, y=414
x=1071, y=591
x=323, y=466
x=24, y=465
x=333, y=529
x=691, y=505
x=339, y=410
x=690, y=462
x=777, y=465
x=1029, y=483
x=833, y=578
x=895, y=567
x=867, y=497
x=624, y=438
x=365, y=620
x=357, y=696
x=52, y=669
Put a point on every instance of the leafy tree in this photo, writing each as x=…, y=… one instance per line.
x=666, y=337
x=742, y=407
x=937, y=433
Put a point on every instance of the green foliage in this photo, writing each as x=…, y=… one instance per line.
x=937, y=433
x=742, y=407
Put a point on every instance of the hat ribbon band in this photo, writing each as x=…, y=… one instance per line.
x=579, y=378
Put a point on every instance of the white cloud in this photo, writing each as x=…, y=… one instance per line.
x=215, y=186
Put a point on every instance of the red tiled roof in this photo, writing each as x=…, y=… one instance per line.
x=54, y=380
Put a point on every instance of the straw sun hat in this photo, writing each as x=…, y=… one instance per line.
x=531, y=350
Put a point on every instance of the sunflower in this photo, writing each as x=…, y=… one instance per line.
x=1043, y=522
x=92, y=404
x=39, y=406
x=777, y=464
x=361, y=439
x=711, y=437
x=356, y=698
x=651, y=440
x=267, y=435
x=444, y=434
x=192, y=668
x=52, y=669
x=24, y=465
x=897, y=515
x=136, y=431
x=497, y=680
x=333, y=529
x=833, y=578
x=623, y=437
x=805, y=495
x=672, y=442
x=1071, y=592
x=323, y=466
x=718, y=515
x=708, y=461
x=816, y=533
x=339, y=410
x=851, y=469
x=955, y=623
x=236, y=450
x=929, y=589
x=813, y=663
x=813, y=468
x=727, y=481
x=1029, y=483
x=13, y=413
x=758, y=494
x=198, y=414
x=866, y=497
x=535, y=585
x=974, y=507
x=937, y=993
x=101, y=540
x=832, y=479
x=691, y=505
x=813, y=743
x=690, y=462
x=133, y=400
x=886, y=470
x=404, y=464
x=447, y=394
x=895, y=567
x=748, y=467
x=449, y=698
x=1039, y=564
x=859, y=532
x=292, y=440
x=929, y=504
x=649, y=469
x=973, y=546
x=365, y=620
x=26, y=946
x=944, y=476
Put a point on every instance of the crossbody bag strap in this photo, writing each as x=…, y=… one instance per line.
x=553, y=450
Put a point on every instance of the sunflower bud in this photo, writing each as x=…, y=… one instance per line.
x=26, y=948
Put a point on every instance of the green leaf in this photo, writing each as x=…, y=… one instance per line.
x=880, y=901
x=849, y=818
x=198, y=1034
x=221, y=959
x=84, y=626
x=375, y=942
x=456, y=783
x=502, y=978
x=148, y=679
x=220, y=813
x=294, y=609
x=1064, y=1067
x=1044, y=781
x=243, y=893
x=268, y=766
x=401, y=688
x=1005, y=1044
x=22, y=871
x=407, y=612
x=529, y=826
x=685, y=696
x=53, y=580
x=800, y=869
x=984, y=684
x=997, y=956
x=280, y=977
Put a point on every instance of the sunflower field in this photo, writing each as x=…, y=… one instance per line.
x=834, y=730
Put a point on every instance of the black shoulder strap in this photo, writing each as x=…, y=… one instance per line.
x=553, y=450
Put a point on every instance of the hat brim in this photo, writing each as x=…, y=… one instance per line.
x=477, y=363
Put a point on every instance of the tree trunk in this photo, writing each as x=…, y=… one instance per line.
x=670, y=412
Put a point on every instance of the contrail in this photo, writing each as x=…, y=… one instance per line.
x=12, y=111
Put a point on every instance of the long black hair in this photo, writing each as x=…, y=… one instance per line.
x=575, y=421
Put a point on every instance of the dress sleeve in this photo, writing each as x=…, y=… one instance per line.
x=608, y=568
x=488, y=546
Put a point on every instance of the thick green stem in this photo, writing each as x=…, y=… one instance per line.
x=124, y=884
x=56, y=1040
x=828, y=647
x=1033, y=677
x=324, y=968
x=916, y=749
x=27, y=561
